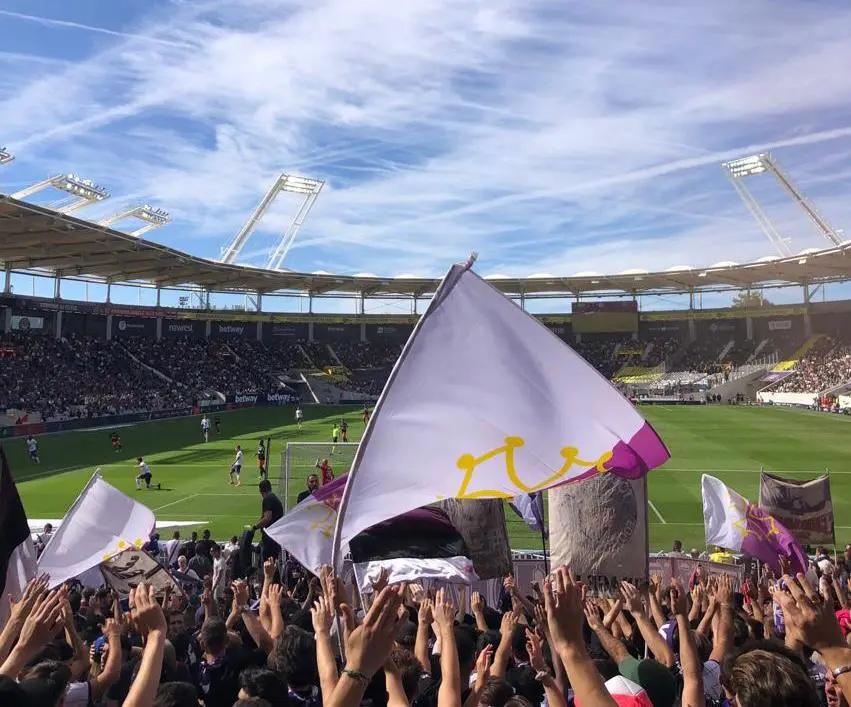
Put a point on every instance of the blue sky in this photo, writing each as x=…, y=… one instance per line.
x=549, y=136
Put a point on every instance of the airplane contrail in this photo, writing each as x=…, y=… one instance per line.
x=50, y=22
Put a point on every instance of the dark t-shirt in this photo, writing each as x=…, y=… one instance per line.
x=272, y=503
x=204, y=547
x=304, y=494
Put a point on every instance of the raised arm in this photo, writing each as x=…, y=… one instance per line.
x=477, y=605
x=812, y=622
x=424, y=620
x=367, y=649
x=449, y=694
x=323, y=619
x=503, y=650
x=555, y=697
x=150, y=621
x=692, y=666
x=563, y=601
x=616, y=649
x=35, y=589
x=657, y=645
x=722, y=639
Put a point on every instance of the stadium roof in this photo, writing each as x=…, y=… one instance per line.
x=33, y=237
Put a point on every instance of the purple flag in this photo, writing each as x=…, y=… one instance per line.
x=733, y=522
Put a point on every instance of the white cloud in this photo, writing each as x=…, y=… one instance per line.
x=546, y=136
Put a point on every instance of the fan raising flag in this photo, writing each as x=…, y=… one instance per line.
x=486, y=402
x=733, y=522
x=101, y=523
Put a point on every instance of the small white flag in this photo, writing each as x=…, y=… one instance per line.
x=306, y=531
x=101, y=523
x=486, y=402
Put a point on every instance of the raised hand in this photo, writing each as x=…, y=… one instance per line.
x=35, y=589
x=369, y=645
x=323, y=616
x=631, y=598
x=426, y=613
x=592, y=616
x=483, y=667
x=535, y=651
x=44, y=621
x=381, y=582
x=808, y=618
x=240, y=593
x=678, y=598
x=444, y=611
x=563, y=601
x=477, y=603
x=724, y=591
x=612, y=614
x=269, y=568
x=147, y=613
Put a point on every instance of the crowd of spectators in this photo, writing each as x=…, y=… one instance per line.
x=826, y=364
x=200, y=367
x=271, y=636
x=77, y=377
x=367, y=354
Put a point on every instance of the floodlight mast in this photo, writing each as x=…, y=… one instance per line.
x=86, y=191
x=737, y=170
x=761, y=163
x=5, y=156
x=310, y=188
x=153, y=218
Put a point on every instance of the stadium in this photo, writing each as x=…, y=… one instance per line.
x=425, y=354
x=718, y=384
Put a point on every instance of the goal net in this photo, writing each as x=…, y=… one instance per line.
x=299, y=459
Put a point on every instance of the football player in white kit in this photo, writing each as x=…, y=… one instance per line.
x=144, y=474
x=299, y=416
x=32, y=448
x=205, y=428
x=236, y=467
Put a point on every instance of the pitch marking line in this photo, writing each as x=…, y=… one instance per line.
x=179, y=500
x=656, y=511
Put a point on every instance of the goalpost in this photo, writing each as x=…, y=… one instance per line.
x=298, y=461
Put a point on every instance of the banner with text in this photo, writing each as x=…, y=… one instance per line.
x=804, y=507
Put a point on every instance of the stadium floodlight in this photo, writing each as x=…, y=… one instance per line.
x=307, y=187
x=152, y=216
x=85, y=190
x=5, y=156
x=746, y=166
x=760, y=164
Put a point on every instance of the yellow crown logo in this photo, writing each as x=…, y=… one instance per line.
x=764, y=527
x=326, y=518
x=468, y=463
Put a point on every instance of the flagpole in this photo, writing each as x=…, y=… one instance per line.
x=546, y=551
x=449, y=281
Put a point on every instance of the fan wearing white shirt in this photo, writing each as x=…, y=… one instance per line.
x=172, y=549
x=236, y=467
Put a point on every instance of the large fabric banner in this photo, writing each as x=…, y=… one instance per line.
x=599, y=529
x=481, y=524
x=804, y=507
x=127, y=569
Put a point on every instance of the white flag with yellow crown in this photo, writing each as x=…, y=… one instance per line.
x=486, y=402
x=101, y=523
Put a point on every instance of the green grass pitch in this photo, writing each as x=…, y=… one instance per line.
x=729, y=442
